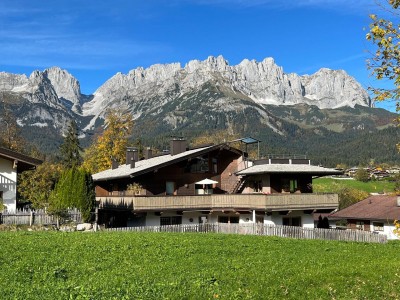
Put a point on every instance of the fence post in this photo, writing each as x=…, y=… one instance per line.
x=31, y=218
x=96, y=218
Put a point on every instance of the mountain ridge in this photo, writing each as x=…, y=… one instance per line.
x=262, y=82
x=251, y=98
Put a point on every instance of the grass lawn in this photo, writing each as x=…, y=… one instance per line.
x=326, y=184
x=127, y=265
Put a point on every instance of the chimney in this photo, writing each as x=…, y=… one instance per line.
x=148, y=153
x=114, y=163
x=131, y=156
x=178, y=145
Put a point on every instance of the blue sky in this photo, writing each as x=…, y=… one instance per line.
x=94, y=40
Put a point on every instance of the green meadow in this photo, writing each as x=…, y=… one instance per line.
x=326, y=184
x=127, y=265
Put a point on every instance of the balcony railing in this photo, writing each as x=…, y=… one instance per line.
x=272, y=202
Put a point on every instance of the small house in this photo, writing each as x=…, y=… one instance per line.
x=375, y=213
x=11, y=164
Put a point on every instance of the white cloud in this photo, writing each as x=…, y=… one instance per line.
x=73, y=35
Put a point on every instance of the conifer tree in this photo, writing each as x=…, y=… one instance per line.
x=73, y=190
x=70, y=149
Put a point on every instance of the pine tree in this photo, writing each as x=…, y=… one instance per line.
x=70, y=149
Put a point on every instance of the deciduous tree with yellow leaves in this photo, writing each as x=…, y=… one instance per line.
x=385, y=63
x=111, y=144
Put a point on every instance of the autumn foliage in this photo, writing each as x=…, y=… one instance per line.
x=111, y=144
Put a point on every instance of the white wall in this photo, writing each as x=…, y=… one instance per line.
x=307, y=220
x=153, y=220
x=274, y=219
x=387, y=229
x=8, y=184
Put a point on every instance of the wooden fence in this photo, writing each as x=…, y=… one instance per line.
x=268, y=230
x=36, y=217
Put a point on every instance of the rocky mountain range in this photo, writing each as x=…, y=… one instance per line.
x=253, y=98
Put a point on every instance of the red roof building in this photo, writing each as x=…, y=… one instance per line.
x=376, y=213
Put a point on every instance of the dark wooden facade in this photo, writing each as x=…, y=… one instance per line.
x=219, y=165
x=283, y=183
x=359, y=224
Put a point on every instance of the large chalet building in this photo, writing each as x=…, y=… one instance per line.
x=209, y=184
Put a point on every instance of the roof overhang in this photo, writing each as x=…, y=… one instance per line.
x=288, y=169
x=173, y=159
x=22, y=162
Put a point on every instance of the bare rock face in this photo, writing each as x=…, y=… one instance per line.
x=332, y=89
x=65, y=86
x=9, y=82
x=53, y=87
x=43, y=107
x=163, y=89
x=262, y=82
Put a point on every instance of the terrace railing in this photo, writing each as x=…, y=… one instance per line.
x=218, y=201
x=266, y=230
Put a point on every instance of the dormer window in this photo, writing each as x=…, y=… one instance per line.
x=199, y=165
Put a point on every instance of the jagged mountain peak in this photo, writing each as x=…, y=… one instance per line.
x=200, y=97
x=66, y=86
x=264, y=82
x=53, y=86
x=212, y=82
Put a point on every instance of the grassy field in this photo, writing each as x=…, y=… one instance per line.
x=332, y=185
x=126, y=265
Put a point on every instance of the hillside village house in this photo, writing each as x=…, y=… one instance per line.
x=375, y=213
x=209, y=184
x=12, y=163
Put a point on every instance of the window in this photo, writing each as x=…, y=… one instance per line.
x=378, y=226
x=228, y=219
x=114, y=189
x=175, y=220
x=202, y=219
x=289, y=185
x=257, y=186
x=199, y=165
x=360, y=225
x=215, y=165
x=291, y=221
x=259, y=219
x=170, y=188
x=293, y=185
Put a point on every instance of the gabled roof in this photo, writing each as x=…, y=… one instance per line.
x=24, y=161
x=373, y=208
x=148, y=165
x=288, y=168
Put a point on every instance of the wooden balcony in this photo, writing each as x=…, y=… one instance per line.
x=273, y=202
